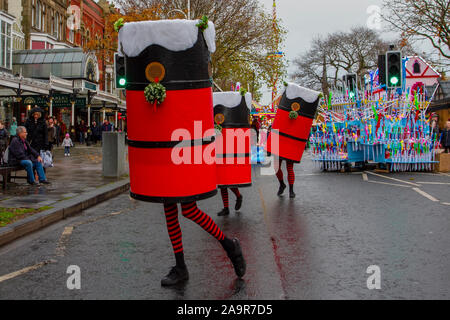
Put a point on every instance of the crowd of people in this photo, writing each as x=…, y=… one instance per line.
x=40, y=134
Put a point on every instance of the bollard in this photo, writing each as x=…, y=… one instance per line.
x=113, y=150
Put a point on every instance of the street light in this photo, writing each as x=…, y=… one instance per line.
x=188, y=16
x=178, y=10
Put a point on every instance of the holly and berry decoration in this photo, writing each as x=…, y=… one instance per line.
x=203, y=23
x=155, y=93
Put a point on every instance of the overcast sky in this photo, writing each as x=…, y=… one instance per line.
x=305, y=19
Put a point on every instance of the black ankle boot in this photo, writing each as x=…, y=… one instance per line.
x=291, y=192
x=176, y=275
x=224, y=212
x=234, y=252
x=238, y=203
x=281, y=189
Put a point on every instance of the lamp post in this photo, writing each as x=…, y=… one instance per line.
x=189, y=10
x=188, y=16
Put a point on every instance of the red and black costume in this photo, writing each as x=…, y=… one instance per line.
x=290, y=130
x=161, y=161
x=231, y=115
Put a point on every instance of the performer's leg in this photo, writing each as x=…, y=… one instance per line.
x=231, y=246
x=291, y=178
x=225, y=211
x=238, y=198
x=178, y=273
x=280, y=178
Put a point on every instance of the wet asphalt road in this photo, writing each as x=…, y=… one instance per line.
x=317, y=246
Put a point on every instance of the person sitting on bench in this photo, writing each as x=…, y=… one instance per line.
x=21, y=153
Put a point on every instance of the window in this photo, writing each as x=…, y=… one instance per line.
x=61, y=30
x=38, y=14
x=33, y=12
x=43, y=18
x=416, y=67
x=5, y=45
x=52, y=22
x=56, y=27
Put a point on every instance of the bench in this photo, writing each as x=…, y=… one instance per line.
x=6, y=173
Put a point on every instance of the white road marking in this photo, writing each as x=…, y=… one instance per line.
x=365, y=177
x=426, y=195
x=439, y=183
x=445, y=203
x=25, y=270
x=394, y=179
x=390, y=184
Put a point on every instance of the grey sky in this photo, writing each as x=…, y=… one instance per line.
x=305, y=19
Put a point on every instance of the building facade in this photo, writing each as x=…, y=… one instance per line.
x=44, y=23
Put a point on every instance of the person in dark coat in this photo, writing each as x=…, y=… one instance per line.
x=37, y=130
x=82, y=132
x=21, y=152
x=58, y=133
x=95, y=132
x=445, y=137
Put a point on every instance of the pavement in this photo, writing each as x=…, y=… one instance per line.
x=320, y=245
x=70, y=177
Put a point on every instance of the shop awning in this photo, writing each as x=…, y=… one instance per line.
x=40, y=64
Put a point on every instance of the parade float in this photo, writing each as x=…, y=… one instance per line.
x=233, y=140
x=389, y=128
x=169, y=99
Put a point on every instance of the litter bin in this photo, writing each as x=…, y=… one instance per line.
x=113, y=150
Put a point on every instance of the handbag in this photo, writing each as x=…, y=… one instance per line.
x=47, y=159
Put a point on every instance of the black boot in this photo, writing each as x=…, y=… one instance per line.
x=234, y=252
x=224, y=212
x=238, y=203
x=281, y=189
x=291, y=191
x=175, y=276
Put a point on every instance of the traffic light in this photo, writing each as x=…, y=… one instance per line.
x=119, y=71
x=394, y=70
x=351, y=84
x=382, y=69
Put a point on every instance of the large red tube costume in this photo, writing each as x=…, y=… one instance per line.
x=176, y=55
x=292, y=125
x=233, y=149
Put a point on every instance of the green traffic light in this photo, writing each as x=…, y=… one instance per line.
x=122, y=81
x=394, y=80
x=352, y=95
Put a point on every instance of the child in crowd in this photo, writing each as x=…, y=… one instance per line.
x=67, y=143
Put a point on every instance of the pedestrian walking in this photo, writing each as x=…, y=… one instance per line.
x=67, y=143
x=58, y=132
x=95, y=132
x=37, y=130
x=82, y=132
x=51, y=133
x=445, y=137
x=13, y=127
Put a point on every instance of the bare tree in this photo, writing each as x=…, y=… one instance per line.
x=357, y=50
x=421, y=19
x=243, y=37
